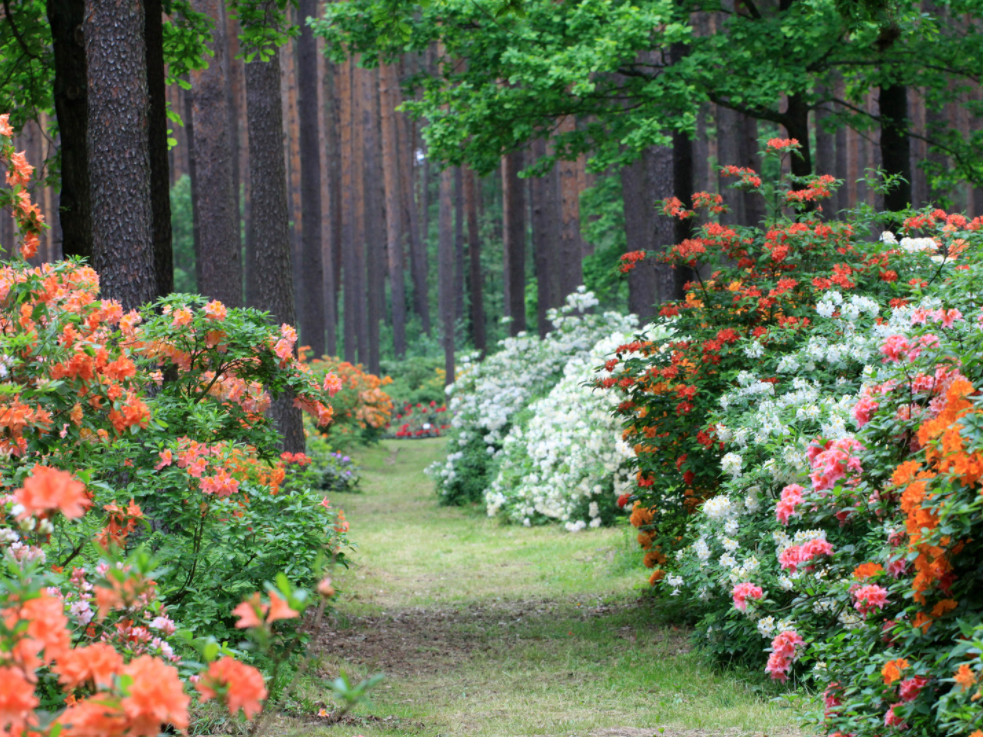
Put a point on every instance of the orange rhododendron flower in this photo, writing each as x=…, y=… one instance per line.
x=241, y=684
x=49, y=489
x=155, y=697
x=250, y=612
x=867, y=570
x=965, y=677
x=17, y=700
x=892, y=670
x=98, y=715
x=279, y=609
x=47, y=625
x=946, y=605
x=96, y=663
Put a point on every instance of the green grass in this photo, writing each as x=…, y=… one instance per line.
x=486, y=629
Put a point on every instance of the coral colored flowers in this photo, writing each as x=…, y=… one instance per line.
x=50, y=489
x=744, y=591
x=785, y=649
x=241, y=686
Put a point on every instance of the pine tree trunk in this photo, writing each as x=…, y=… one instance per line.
x=160, y=192
x=220, y=253
x=234, y=94
x=754, y=204
x=312, y=274
x=445, y=270
x=118, y=150
x=730, y=149
x=330, y=201
x=570, y=251
x=189, y=128
x=348, y=250
x=71, y=107
x=269, y=221
x=797, y=126
x=672, y=282
x=545, y=238
x=394, y=208
x=895, y=145
x=375, y=219
x=514, y=240
x=358, y=278
x=478, y=335
x=418, y=252
x=646, y=181
x=825, y=141
x=459, y=268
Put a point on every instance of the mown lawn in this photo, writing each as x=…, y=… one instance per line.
x=485, y=629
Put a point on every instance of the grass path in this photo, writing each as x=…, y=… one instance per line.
x=485, y=629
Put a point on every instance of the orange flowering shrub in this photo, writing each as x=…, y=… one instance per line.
x=362, y=408
x=122, y=435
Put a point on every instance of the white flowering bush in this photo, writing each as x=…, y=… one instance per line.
x=488, y=395
x=565, y=460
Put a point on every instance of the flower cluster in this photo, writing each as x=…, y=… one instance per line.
x=564, y=458
x=488, y=395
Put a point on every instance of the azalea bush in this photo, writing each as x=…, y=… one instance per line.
x=564, y=459
x=489, y=393
x=361, y=408
x=420, y=421
x=808, y=458
x=131, y=438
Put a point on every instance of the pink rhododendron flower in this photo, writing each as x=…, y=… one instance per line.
x=791, y=498
x=744, y=591
x=796, y=555
x=893, y=720
x=911, y=687
x=835, y=462
x=863, y=409
x=784, y=651
x=897, y=567
x=869, y=598
x=895, y=348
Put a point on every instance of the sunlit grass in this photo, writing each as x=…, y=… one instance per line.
x=503, y=630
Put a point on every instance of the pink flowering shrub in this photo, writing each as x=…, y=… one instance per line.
x=846, y=459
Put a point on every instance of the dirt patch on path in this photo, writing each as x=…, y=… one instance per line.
x=420, y=640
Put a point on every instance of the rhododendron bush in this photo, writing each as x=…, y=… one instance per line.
x=142, y=497
x=488, y=394
x=361, y=407
x=564, y=459
x=809, y=458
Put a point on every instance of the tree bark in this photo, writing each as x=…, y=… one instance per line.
x=445, y=269
x=672, y=282
x=269, y=222
x=118, y=150
x=357, y=279
x=645, y=181
x=478, y=335
x=895, y=144
x=418, y=250
x=312, y=274
x=71, y=107
x=459, y=267
x=348, y=255
x=330, y=200
x=220, y=252
x=730, y=150
x=825, y=142
x=160, y=191
x=514, y=241
x=189, y=113
x=797, y=126
x=375, y=219
x=545, y=238
x=394, y=208
x=570, y=250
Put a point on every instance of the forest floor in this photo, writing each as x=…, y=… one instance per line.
x=486, y=629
